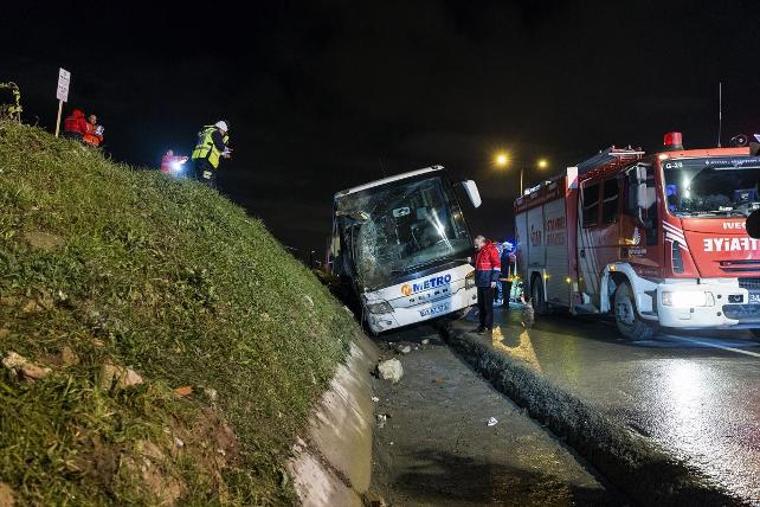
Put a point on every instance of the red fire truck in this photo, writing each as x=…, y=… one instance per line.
x=655, y=239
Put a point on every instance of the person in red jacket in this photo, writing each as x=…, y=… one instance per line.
x=487, y=270
x=75, y=125
x=93, y=134
x=172, y=164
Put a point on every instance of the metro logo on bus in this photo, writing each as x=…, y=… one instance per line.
x=431, y=283
x=730, y=244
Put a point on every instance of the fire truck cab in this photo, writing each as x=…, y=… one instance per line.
x=655, y=239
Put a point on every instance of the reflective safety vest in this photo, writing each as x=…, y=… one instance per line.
x=206, y=147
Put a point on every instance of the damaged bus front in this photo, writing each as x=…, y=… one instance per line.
x=402, y=245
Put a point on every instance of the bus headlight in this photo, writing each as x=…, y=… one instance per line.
x=687, y=298
x=382, y=307
x=469, y=280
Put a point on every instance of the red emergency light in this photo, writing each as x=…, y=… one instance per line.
x=673, y=141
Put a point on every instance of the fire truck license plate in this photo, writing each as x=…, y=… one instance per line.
x=435, y=310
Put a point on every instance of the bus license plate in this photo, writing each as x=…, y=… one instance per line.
x=435, y=310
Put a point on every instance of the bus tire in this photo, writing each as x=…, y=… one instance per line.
x=627, y=318
x=537, y=296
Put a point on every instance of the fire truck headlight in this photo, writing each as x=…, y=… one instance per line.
x=377, y=308
x=469, y=280
x=687, y=298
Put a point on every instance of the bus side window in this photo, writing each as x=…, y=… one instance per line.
x=610, y=202
x=591, y=205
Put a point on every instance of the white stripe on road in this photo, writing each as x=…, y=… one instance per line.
x=716, y=346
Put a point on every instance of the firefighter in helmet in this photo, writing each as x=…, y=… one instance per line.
x=213, y=145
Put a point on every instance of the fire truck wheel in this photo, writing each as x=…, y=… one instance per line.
x=627, y=319
x=537, y=296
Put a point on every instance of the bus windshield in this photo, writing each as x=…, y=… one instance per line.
x=716, y=186
x=405, y=226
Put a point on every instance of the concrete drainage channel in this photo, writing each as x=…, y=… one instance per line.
x=332, y=462
x=634, y=464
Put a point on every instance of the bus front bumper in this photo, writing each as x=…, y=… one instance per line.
x=404, y=316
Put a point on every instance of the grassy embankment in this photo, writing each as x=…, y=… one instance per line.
x=103, y=265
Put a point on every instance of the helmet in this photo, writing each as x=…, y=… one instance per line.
x=221, y=125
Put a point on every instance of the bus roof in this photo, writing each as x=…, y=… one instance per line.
x=389, y=179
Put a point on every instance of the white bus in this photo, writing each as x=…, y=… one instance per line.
x=401, y=245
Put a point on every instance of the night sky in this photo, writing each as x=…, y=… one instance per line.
x=322, y=96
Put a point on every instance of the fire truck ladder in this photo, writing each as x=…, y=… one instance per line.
x=611, y=155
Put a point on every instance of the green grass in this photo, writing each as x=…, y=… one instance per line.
x=173, y=280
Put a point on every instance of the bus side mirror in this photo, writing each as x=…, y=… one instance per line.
x=471, y=188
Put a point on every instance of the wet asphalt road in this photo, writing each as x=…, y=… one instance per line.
x=437, y=449
x=695, y=394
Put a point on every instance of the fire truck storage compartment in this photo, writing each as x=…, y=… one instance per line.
x=542, y=246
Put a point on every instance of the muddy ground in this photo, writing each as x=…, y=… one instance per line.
x=436, y=447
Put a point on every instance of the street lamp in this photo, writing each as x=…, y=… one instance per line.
x=501, y=159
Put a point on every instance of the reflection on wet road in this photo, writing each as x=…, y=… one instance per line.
x=695, y=394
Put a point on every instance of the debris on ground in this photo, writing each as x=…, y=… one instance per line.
x=23, y=367
x=183, y=391
x=7, y=498
x=426, y=341
x=390, y=369
x=492, y=421
x=210, y=393
x=381, y=420
x=68, y=357
x=403, y=349
x=375, y=399
x=123, y=376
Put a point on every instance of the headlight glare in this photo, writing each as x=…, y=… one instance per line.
x=687, y=298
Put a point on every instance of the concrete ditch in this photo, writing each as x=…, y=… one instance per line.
x=332, y=461
x=634, y=464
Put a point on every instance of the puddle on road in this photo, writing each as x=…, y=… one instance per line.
x=516, y=343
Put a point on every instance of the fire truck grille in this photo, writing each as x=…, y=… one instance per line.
x=744, y=313
x=751, y=284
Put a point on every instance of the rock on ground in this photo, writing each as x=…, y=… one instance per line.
x=390, y=369
x=24, y=367
x=124, y=377
x=404, y=349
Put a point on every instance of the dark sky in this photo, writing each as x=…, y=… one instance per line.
x=325, y=95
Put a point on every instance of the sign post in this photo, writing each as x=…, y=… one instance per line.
x=64, y=78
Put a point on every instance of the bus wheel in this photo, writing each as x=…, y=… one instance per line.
x=627, y=319
x=537, y=296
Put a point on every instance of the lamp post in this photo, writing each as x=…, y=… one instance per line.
x=503, y=160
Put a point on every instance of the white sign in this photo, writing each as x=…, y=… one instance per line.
x=64, y=78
